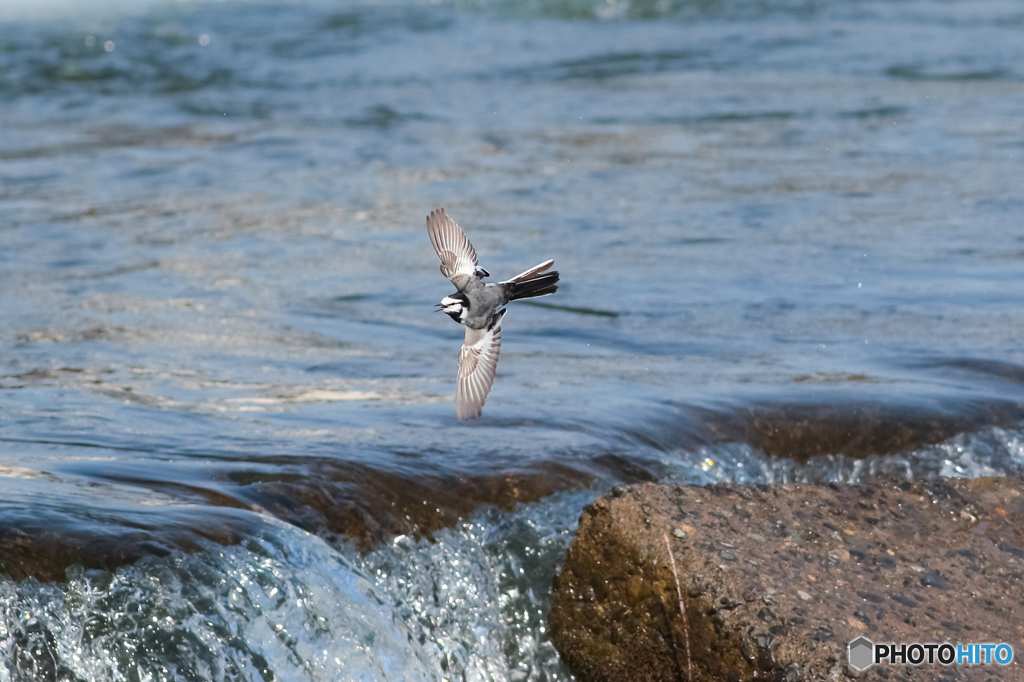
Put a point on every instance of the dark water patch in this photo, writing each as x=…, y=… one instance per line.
x=95, y=332
x=381, y=117
x=125, y=270
x=26, y=180
x=119, y=136
x=334, y=307
x=34, y=377
x=170, y=37
x=144, y=74
x=173, y=81
x=573, y=309
x=606, y=338
x=613, y=65
x=368, y=19
x=974, y=366
x=313, y=340
x=346, y=20
x=743, y=117
x=81, y=444
x=72, y=72
x=42, y=543
x=697, y=241
x=302, y=47
x=1008, y=204
x=838, y=378
x=704, y=119
x=555, y=9
x=914, y=72
x=69, y=263
x=354, y=369
x=220, y=109
x=876, y=112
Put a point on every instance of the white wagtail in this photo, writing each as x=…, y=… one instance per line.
x=476, y=305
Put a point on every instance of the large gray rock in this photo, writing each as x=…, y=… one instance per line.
x=777, y=581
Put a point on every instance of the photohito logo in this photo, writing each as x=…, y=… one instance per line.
x=864, y=653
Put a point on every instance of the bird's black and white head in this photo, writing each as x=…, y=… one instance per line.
x=455, y=306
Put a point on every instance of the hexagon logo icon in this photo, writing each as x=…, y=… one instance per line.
x=862, y=653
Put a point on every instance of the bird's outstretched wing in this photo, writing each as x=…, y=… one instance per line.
x=458, y=257
x=478, y=360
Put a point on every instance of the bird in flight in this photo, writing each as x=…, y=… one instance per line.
x=480, y=307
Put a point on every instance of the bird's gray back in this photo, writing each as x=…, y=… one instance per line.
x=484, y=300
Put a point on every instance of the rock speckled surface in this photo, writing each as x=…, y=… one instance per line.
x=776, y=581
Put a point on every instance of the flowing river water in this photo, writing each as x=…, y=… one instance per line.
x=791, y=246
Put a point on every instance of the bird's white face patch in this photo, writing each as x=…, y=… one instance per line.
x=453, y=307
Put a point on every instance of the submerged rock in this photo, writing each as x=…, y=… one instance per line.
x=855, y=428
x=342, y=502
x=777, y=581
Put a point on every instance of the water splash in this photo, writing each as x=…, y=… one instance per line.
x=991, y=451
x=477, y=598
x=282, y=605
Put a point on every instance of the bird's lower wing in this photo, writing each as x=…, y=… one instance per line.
x=458, y=257
x=478, y=361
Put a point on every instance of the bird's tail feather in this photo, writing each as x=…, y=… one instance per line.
x=532, y=273
x=540, y=285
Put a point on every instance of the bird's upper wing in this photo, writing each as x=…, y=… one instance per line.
x=478, y=360
x=458, y=257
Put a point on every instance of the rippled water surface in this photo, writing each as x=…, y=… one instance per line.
x=791, y=245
